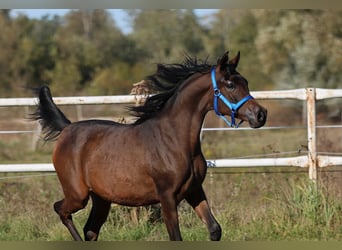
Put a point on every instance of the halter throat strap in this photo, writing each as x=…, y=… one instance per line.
x=234, y=107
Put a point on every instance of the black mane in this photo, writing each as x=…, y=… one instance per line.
x=165, y=82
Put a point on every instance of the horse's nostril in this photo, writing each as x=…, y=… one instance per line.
x=261, y=116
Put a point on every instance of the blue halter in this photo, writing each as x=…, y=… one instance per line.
x=234, y=107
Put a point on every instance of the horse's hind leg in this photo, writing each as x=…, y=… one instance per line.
x=64, y=208
x=76, y=198
x=97, y=217
x=198, y=201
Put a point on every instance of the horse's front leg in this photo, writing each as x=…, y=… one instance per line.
x=97, y=217
x=198, y=201
x=170, y=216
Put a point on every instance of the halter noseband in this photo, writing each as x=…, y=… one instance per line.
x=234, y=107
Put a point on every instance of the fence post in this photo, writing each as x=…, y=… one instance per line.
x=36, y=136
x=311, y=126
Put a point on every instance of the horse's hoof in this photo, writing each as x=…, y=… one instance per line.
x=91, y=236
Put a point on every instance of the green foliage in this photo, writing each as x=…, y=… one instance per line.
x=300, y=48
x=85, y=51
x=116, y=79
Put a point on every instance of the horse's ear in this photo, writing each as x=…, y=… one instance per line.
x=235, y=60
x=222, y=62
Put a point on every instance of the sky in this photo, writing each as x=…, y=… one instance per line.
x=119, y=15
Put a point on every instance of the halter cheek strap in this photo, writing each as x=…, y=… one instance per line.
x=234, y=107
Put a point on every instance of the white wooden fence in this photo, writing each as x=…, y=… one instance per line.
x=311, y=161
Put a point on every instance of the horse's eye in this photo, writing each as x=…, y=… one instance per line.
x=230, y=84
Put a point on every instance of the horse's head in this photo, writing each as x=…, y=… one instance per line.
x=231, y=94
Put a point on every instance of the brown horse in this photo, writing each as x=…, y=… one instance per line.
x=156, y=159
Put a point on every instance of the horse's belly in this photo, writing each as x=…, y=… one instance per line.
x=125, y=190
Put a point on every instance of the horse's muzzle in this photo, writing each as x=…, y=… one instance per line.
x=257, y=118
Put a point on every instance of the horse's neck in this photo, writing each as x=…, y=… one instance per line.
x=185, y=114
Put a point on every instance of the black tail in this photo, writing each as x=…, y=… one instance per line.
x=52, y=120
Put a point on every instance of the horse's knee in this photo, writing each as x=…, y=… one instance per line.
x=215, y=232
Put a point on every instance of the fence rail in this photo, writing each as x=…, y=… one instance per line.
x=312, y=160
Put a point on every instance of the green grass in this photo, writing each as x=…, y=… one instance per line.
x=304, y=213
x=248, y=207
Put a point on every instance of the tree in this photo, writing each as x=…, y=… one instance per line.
x=25, y=57
x=192, y=33
x=301, y=48
x=8, y=44
x=87, y=43
x=38, y=47
x=82, y=50
x=165, y=35
x=236, y=30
